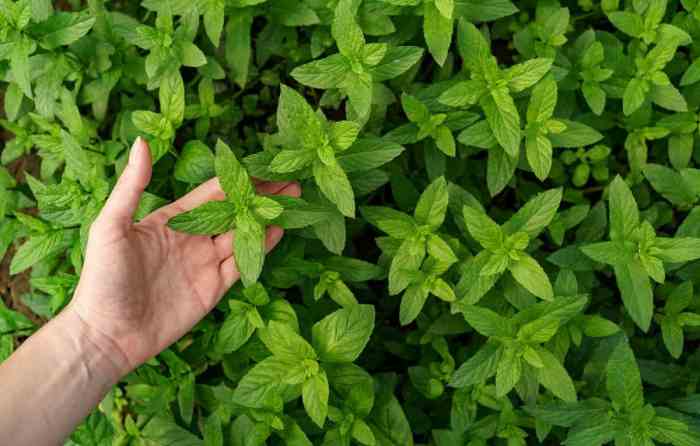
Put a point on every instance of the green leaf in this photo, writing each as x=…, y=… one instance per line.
x=249, y=248
x=635, y=95
x=172, y=97
x=536, y=215
x=539, y=155
x=297, y=121
x=213, y=433
x=285, y=343
x=629, y=23
x=463, y=93
x=670, y=184
x=237, y=47
x=636, y=291
x=38, y=248
x=509, y=371
x=487, y=322
x=315, y=393
x=405, y=263
x=236, y=329
x=162, y=430
x=415, y=110
x=334, y=184
x=528, y=73
x=262, y=385
x=195, y=164
x=346, y=32
x=623, y=381
x=185, y=398
x=672, y=334
x=531, y=276
x=214, y=20
x=610, y=253
x=482, y=228
x=575, y=135
x=412, y=303
x=472, y=45
x=624, y=214
x=397, y=61
x=554, y=377
x=479, y=367
x=480, y=11
x=63, y=28
x=437, y=30
x=367, y=154
x=432, y=204
x=342, y=335
x=692, y=74
x=359, y=89
x=191, y=55
x=542, y=102
x=393, y=222
x=232, y=175
x=504, y=120
x=444, y=140
x=678, y=249
x=211, y=218
x=77, y=160
x=343, y=134
x=325, y=73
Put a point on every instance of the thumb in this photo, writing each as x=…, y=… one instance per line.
x=124, y=199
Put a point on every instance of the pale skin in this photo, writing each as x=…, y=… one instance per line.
x=143, y=286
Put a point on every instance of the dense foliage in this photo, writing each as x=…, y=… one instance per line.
x=497, y=241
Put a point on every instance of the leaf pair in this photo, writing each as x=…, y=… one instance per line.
x=504, y=249
x=337, y=339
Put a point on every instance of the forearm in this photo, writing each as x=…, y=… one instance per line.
x=53, y=381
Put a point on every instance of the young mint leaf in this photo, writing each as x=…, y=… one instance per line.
x=437, y=29
x=232, y=176
x=554, y=377
x=432, y=205
x=527, y=74
x=624, y=214
x=346, y=31
x=214, y=217
x=326, y=73
x=342, y=335
x=623, y=381
x=249, y=247
x=315, y=392
x=487, y=322
x=334, y=184
x=504, y=119
x=532, y=277
x=636, y=291
x=285, y=343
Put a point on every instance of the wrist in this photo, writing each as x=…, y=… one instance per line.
x=101, y=359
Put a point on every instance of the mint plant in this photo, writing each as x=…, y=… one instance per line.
x=242, y=209
x=637, y=254
x=496, y=242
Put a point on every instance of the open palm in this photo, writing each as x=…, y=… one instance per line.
x=144, y=285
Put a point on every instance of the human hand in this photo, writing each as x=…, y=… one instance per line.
x=144, y=285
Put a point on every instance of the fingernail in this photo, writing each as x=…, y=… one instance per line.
x=138, y=142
